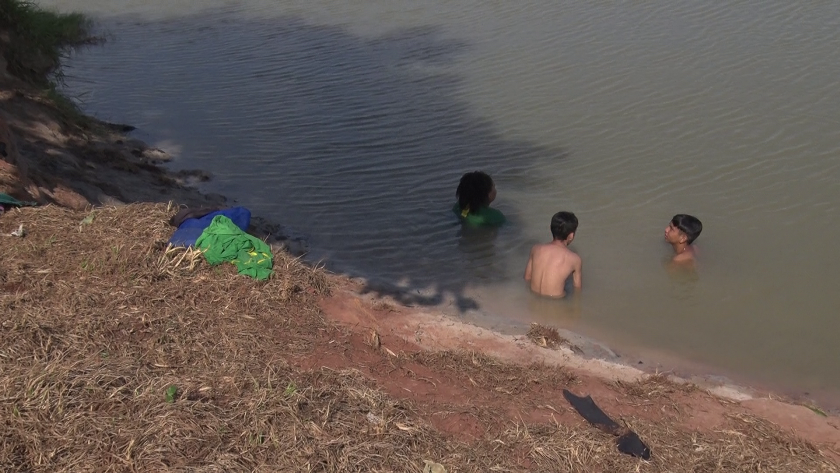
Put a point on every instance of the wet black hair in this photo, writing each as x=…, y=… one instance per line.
x=689, y=225
x=473, y=190
x=563, y=224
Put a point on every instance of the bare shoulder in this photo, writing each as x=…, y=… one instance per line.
x=686, y=257
x=689, y=254
x=539, y=247
x=570, y=255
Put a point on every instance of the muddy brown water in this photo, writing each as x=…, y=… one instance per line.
x=351, y=123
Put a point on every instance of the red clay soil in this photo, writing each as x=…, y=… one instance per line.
x=449, y=398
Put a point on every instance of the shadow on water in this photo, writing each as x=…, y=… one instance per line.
x=360, y=142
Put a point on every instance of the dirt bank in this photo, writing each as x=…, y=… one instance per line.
x=73, y=164
x=77, y=162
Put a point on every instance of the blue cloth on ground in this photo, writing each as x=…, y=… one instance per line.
x=192, y=228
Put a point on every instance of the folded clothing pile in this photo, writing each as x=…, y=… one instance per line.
x=221, y=235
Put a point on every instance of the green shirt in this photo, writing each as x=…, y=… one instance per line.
x=485, y=216
x=224, y=241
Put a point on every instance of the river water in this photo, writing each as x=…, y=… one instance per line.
x=352, y=122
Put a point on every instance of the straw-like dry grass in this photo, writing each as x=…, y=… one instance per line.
x=120, y=354
x=492, y=375
x=549, y=337
x=546, y=337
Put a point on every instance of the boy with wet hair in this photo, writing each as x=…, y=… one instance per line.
x=551, y=264
x=680, y=234
x=475, y=192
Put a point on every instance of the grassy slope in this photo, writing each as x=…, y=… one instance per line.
x=36, y=39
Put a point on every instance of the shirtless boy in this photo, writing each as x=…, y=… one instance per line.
x=551, y=264
x=680, y=233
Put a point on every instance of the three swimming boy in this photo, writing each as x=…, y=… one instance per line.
x=551, y=264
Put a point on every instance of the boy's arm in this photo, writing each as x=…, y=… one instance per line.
x=576, y=276
x=528, y=267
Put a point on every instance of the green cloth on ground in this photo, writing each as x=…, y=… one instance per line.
x=484, y=216
x=224, y=241
x=9, y=200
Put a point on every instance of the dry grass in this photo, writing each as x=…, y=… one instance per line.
x=118, y=354
x=546, y=337
x=549, y=337
x=654, y=387
x=749, y=445
x=488, y=373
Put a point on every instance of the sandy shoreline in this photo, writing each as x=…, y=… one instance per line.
x=638, y=359
x=434, y=330
x=70, y=166
x=632, y=361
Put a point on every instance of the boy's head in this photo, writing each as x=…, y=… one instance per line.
x=563, y=224
x=683, y=229
x=476, y=190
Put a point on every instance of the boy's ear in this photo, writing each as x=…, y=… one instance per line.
x=570, y=237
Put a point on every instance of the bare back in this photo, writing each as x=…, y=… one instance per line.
x=549, y=266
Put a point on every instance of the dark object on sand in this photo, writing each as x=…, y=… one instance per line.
x=627, y=442
x=186, y=213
